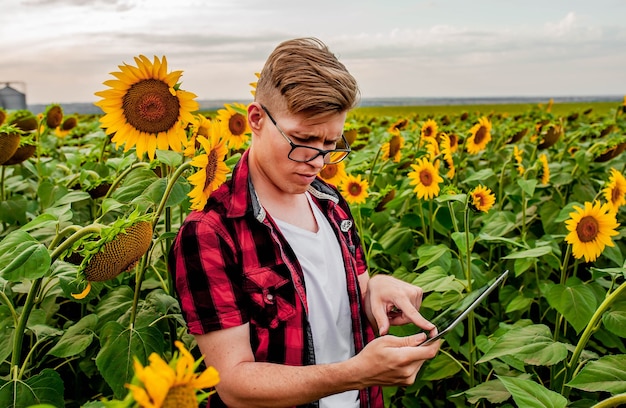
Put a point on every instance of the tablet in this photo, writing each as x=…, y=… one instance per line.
x=452, y=316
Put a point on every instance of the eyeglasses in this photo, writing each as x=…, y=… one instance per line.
x=304, y=154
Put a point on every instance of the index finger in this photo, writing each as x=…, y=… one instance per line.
x=416, y=317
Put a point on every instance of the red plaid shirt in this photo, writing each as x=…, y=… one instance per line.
x=232, y=266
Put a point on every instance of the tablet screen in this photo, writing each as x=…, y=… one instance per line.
x=452, y=316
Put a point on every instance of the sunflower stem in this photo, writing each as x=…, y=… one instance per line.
x=34, y=290
x=591, y=327
x=2, y=197
x=471, y=329
x=168, y=189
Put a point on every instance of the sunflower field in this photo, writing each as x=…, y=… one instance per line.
x=90, y=204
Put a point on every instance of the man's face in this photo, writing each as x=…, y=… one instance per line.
x=272, y=148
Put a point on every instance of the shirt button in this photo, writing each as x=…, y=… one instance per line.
x=269, y=298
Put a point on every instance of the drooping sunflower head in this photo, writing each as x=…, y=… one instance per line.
x=590, y=230
x=390, y=195
x=545, y=169
x=121, y=254
x=425, y=177
x=54, y=116
x=145, y=108
x=334, y=173
x=354, y=189
x=480, y=136
x=481, y=198
x=174, y=384
x=398, y=126
x=212, y=171
x=392, y=150
x=9, y=142
x=551, y=135
x=234, y=123
x=615, y=191
x=429, y=128
x=68, y=124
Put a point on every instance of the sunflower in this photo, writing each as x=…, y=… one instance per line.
x=426, y=179
x=171, y=385
x=354, y=189
x=234, y=123
x=254, y=84
x=545, y=170
x=393, y=149
x=334, y=173
x=54, y=116
x=481, y=198
x=517, y=154
x=432, y=147
x=429, y=128
x=213, y=170
x=480, y=136
x=399, y=125
x=615, y=191
x=200, y=127
x=64, y=128
x=145, y=107
x=446, y=150
x=590, y=230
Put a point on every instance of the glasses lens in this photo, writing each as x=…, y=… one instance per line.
x=335, y=157
x=303, y=154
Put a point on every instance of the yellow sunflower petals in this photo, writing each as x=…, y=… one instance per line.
x=84, y=293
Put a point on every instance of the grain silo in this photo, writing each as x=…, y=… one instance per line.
x=11, y=98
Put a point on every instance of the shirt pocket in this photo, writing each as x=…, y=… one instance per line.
x=272, y=295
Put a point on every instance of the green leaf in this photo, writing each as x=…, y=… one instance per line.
x=396, y=240
x=574, y=300
x=114, y=304
x=479, y=176
x=134, y=185
x=43, y=388
x=528, y=394
x=564, y=214
x=438, y=280
x=519, y=302
x=22, y=257
x=532, y=344
x=440, y=367
x=528, y=186
x=172, y=159
x=461, y=242
x=430, y=253
x=119, y=346
x=13, y=210
x=615, y=322
x=110, y=204
x=41, y=221
x=493, y=391
x=608, y=373
x=498, y=223
x=72, y=197
x=530, y=253
x=451, y=197
x=77, y=338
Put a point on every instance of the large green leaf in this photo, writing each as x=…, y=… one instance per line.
x=461, y=242
x=431, y=253
x=440, y=367
x=22, y=257
x=493, y=391
x=615, y=322
x=438, y=280
x=77, y=337
x=397, y=239
x=114, y=304
x=529, y=394
x=531, y=344
x=605, y=374
x=528, y=186
x=155, y=191
x=119, y=346
x=575, y=301
x=530, y=253
x=43, y=388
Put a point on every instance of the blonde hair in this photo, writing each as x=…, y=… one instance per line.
x=303, y=76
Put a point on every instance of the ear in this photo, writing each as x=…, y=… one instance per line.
x=255, y=116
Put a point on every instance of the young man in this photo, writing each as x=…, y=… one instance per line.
x=271, y=275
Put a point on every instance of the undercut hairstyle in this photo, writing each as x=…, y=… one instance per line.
x=303, y=76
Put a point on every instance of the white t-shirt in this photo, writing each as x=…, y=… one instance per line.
x=319, y=255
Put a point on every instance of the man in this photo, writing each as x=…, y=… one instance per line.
x=271, y=275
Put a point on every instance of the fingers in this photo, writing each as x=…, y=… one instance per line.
x=382, y=320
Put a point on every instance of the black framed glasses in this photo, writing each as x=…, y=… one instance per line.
x=303, y=154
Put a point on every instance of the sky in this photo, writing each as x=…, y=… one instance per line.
x=61, y=51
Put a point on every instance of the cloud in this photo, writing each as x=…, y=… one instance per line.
x=118, y=5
